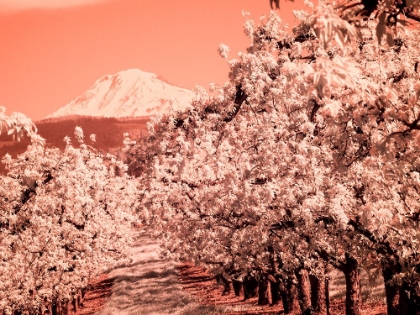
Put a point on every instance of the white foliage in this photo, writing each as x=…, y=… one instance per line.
x=78, y=134
x=224, y=51
x=92, y=138
x=63, y=219
x=313, y=143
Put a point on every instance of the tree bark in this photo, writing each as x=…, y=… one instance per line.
x=403, y=299
x=250, y=286
x=353, y=296
x=273, y=277
x=227, y=283
x=66, y=309
x=327, y=294
x=263, y=291
x=237, y=286
x=392, y=292
x=54, y=307
x=404, y=302
x=80, y=297
x=304, y=290
x=75, y=304
x=274, y=289
x=289, y=294
x=409, y=300
x=318, y=295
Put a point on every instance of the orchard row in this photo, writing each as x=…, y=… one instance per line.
x=307, y=157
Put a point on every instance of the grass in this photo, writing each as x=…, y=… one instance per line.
x=150, y=285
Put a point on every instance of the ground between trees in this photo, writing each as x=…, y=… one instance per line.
x=206, y=295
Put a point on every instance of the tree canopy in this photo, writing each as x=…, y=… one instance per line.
x=64, y=218
x=309, y=152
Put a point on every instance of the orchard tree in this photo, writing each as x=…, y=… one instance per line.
x=18, y=125
x=64, y=218
x=313, y=138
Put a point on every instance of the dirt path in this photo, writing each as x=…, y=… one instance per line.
x=148, y=285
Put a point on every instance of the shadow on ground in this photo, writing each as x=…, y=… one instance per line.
x=149, y=285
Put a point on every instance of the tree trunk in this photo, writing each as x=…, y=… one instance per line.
x=83, y=293
x=318, y=295
x=392, y=292
x=263, y=291
x=273, y=277
x=54, y=308
x=289, y=296
x=59, y=307
x=66, y=307
x=227, y=283
x=250, y=286
x=237, y=286
x=226, y=287
x=404, y=301
x=274, y=289
x=327, y=294
x=409, y=300
x=75, y=304
x=304, y=290
x=284, y=298
x=79, y=298
x=353, y=296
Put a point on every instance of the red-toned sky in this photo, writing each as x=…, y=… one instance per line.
x=51, y=51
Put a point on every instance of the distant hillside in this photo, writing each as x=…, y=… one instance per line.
x=109, y=133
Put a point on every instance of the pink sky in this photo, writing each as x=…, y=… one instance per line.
x=54, y=50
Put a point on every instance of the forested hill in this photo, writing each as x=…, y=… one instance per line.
x=109, y=133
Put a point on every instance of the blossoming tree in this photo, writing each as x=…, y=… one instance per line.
x=64, y=218
x=307, y=152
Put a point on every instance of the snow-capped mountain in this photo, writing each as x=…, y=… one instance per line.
x=129, y=93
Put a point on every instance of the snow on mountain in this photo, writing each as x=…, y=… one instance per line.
x=128, y=93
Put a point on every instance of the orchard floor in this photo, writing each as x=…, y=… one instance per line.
x=150, y=285
x=147, y=285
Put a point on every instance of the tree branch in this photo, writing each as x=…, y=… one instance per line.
x=301, y=38
x=409, y=12
x=381, y=247
x=240, y=97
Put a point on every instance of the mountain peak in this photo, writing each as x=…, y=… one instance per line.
x=128, y=93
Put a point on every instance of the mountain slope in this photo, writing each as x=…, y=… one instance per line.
x=129, y=93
